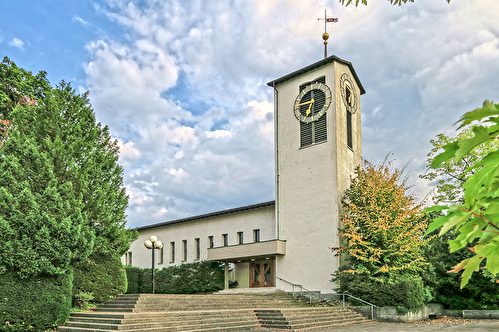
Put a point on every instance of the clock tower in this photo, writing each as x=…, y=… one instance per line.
x=318, y=144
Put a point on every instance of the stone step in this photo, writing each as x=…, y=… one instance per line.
x=319, y=313
x=162, y=308
x=171, y=314
x=210, y=297
x=198, y=304
x=300, y=319
x=147, y=301
x=172, y=325
x=161, y=329
x=321, y=325
x=96, y=317
x=198, y=313
x=187, y=328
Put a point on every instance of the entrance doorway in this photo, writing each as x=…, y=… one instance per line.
x=262, y=274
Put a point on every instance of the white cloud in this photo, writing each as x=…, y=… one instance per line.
x=128, y=153
x=17, y=43
x=81, y=21
x=185, y=87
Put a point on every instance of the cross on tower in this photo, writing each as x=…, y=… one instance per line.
x=325, y=36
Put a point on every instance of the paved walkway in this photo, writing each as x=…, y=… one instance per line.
x=464, y=326
x=445, y=325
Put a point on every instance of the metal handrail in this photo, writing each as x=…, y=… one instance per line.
x=301, y=289
x=343, y=295
x=356, y=298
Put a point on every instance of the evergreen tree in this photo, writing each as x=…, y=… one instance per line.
x=73, y=192
x=43, y=230
x=90, y=162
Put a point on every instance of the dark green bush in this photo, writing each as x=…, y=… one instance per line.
x=481, y=292
x=407, y=293
x=187, y=278
x=103, y=277
x=139, y=280
x=34, y=304
x=133, y=276
x=83, y=300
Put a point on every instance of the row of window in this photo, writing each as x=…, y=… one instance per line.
x=240, y=238
x=197, y=247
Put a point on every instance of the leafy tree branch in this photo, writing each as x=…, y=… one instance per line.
x=475, y=218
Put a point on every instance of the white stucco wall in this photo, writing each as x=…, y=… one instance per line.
x=310, y=184
x=243, y=221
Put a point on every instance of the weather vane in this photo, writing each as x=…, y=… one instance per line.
x=325, y=36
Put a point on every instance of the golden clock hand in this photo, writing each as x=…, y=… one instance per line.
x=304, y=103
x=309, y=107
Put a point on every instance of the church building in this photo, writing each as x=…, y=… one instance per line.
x=318, y=145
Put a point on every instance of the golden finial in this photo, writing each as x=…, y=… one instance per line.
x=325, y=35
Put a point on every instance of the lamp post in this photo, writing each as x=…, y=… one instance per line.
x=153, y=243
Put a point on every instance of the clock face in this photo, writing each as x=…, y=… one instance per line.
x=312, y=102
x=348, y=93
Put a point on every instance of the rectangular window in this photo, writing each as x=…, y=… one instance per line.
x=184, y=245
x=225, y=239
x=198, y=249
x=129, y=258
x=256, y=235
x=161, y=255
x=172, y=252
x=210, y=242
x=315, y=131
x=349, y=130
x=240, y=238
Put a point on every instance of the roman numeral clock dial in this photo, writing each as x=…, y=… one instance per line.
x=312, y=102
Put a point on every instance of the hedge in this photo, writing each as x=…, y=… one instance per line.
x=481, y=293
x=407, y=293
x=187, y=278
x=34, y=304
x=98, y=280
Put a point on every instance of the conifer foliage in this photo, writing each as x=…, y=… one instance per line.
x=62, y=199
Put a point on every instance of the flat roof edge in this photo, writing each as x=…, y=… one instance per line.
x=318, y=64
x=209, y=215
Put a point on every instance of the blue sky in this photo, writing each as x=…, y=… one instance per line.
x=182, y=84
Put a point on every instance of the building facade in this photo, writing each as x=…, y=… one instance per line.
x=318, y=144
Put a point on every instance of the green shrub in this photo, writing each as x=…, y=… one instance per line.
x=34, y=304
x=407, y=293
x=102, y=277
x=481, y=292
x=133, y=276
x=83, y=300
x=187, y=278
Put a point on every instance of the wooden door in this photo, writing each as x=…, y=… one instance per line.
x=262, y=274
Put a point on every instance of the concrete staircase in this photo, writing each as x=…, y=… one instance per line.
x=308, y=318
x=214, y=312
